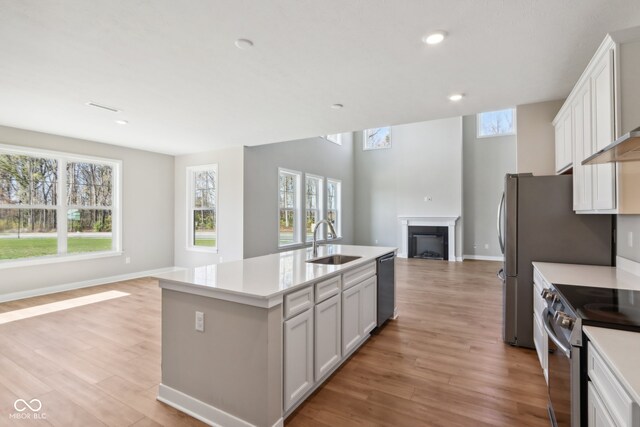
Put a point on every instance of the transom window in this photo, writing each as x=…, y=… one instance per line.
x=203, y=203
x=55, y=204
x=376, y=138
x=496, y=123
x=313, y=203
x=289, y=207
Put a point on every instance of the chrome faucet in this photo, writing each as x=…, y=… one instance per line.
x=332, y=231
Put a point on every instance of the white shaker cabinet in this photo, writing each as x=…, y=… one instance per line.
x=597, y=413
x=564, y=143
x=351, y=330
x=298, y=357
x=368, y=306
x=582, y=175
x=328, y=343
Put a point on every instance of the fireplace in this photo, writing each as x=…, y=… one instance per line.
x=428, y=242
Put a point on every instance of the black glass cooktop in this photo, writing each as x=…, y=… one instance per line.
x=609, y=308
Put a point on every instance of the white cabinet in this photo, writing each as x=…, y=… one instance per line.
x=582, y=148
x=368, y=305
x=298, y=357
x=351, y=331
x=597, y=413
x=328, y=345
x=564, y=142
x=540, y=338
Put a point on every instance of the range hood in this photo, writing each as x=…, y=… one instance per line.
x=624, y=149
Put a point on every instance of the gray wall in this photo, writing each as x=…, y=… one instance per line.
x=628, y=224
x=147, y=215
x=486, y=161
x=230, y=207
x=313, y=155
x=425, y=160
x=536, y=137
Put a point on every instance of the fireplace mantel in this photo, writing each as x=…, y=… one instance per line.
x=428, y=221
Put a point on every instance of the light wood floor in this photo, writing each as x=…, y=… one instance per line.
x=441, y=363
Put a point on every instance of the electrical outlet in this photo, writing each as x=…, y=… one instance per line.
x=127, y=260
x=630, y=239
x=199, y=321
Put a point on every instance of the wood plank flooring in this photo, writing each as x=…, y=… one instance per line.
x=441, y=363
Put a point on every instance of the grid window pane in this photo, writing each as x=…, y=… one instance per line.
x=312, y=219
x=28, y=180
x=204, y=228
x=287, y=226
x=89, y=184
x=333, y=206
x=205, y=189
x=27, y=233
x=89, y=230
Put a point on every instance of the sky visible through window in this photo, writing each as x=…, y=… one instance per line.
x=496, y=123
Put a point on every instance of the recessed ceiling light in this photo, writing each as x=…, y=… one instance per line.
x=243, y=44
x=337, y=106
x=435, y=37
x=456, y=97
x=122, y=122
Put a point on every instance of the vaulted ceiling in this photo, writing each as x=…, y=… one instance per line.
x=173, y=70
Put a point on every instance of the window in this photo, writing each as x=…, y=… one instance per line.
x=335, y=138
x=313, y=203
x=377, y=138
x=56, y=204
x=203, y=205
x=497, y=123
x=334, y=202
x=289, y=208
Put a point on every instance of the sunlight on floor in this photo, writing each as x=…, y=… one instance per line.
x=38, y=310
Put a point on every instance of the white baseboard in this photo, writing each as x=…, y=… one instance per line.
x=483, y=257
x=82, y=284
x=628, y=265
x=202, y=411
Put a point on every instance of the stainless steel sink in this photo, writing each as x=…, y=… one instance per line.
x=334, y=259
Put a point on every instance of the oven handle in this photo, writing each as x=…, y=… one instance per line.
x=552, y=336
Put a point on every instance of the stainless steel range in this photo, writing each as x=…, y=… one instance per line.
x=568, y=309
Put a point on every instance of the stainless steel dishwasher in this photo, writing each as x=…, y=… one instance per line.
x=386, y=287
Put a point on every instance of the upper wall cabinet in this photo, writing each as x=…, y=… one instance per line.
x=602, y=106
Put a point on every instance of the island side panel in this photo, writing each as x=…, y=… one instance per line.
x=235, y=365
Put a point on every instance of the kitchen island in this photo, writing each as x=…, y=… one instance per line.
x=245, y=342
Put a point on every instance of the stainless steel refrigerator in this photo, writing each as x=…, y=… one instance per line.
x=536, y=222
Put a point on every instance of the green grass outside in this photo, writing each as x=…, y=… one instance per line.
x=35, y=247
x=206, y=242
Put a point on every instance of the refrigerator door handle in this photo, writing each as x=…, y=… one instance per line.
x=501, y=274
x=499, y=225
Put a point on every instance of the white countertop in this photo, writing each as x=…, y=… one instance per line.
x=621, y=351
x=261, y=281
x=588, y=275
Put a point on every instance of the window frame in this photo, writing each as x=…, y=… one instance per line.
x=298, y=229
x=61, y=207
x=365, y=138
x=497, y=135
x=338, y=140
x=338, y=208
x=191, y=170
x=321, y=204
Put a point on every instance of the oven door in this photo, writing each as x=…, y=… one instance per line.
x=564, y=376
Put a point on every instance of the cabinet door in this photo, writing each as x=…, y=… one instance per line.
x=582, y=148
x=603, y=130
x=598, y=416
x=298, y=357
x=328, y=332
x=568, y=140
x=351, y=330
x=559, y=144
x=368, y=306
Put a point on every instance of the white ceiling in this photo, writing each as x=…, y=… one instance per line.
x=173, y=69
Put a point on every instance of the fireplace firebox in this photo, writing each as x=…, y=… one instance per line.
x=428, y=242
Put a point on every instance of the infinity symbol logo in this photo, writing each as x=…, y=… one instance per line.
x=21, y=405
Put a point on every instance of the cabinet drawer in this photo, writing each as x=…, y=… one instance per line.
x=298, y=301
x=327, y=288
x=598, y=416
x=620, y=406
x=357, y=275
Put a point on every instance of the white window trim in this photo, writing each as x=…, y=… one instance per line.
x=299, y=231
x=339, y=139
x=515, y=125
x=190, y=195
x=322, y=213
x=339, y=208
x=61, y=207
